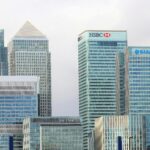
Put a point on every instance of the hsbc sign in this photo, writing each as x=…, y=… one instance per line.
x=105, y=34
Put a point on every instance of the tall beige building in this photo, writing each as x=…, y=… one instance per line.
x=131, y=129
x=28, y=54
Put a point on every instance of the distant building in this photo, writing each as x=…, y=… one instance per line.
x=3, y=55
x=19, y=97
x=131, y=129
x=63, y=133
x=101, y=76
x=29, y=55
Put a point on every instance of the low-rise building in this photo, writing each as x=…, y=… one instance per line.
x=50, y=133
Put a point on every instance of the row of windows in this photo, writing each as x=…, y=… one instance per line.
x=107, y=43
x=139, y=69
x=140, y=65
x=141, y=77
x=140, y=87
x=18, y=97
x=137, y=58
x=139, y=73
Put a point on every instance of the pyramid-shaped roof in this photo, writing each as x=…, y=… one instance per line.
x=28, y=30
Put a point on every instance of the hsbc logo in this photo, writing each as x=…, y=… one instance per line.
x=106, y=35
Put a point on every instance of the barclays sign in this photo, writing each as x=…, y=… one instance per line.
x=142, y=51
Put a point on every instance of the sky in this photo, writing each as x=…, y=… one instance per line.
x=62, y=21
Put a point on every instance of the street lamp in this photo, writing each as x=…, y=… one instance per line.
x=130, y=138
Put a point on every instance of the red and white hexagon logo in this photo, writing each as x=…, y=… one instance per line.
x=107, y=35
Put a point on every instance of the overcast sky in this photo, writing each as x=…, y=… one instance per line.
x=62, y=21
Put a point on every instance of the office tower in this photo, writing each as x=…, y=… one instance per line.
x=29, y=55
x=63, y=133
x=101, y=76
x=19, y=97
x=3, y=55
x=138, y=85
x=130, y=128
x=138, y=80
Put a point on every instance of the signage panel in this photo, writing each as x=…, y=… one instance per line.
x=140, y=51
x=104, y=36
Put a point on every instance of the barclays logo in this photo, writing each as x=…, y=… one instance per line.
x=142, y=51
x=137, y=51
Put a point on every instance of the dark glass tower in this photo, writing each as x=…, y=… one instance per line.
x=3, y=55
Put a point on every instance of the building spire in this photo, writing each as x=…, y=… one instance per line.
x=28, y=30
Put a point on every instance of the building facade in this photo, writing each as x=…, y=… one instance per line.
x=14, y=131
x=91, y=140
x=137, y=70
x=29, y=55
x=3, y=55
x=101, y=76
x=19, y=96
x=138, y=80
x=130, y=128
x=63, y=133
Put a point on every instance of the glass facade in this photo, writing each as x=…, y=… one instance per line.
x=138, y=85
x=101, y=76
x=91, y=140
x=130, y=128
x=29, y=55
x=138, y=80
x=4, y=142
x=147, y=131
x=63, y=133
x=18, y=99
x=17, y=141
x=31, y=133
x=64, y=137
x=13, y=130
x=3, y=55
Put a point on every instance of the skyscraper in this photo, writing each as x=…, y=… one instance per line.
x=3, y=55
x=29, y=55
x=101, y=76
x=138, y=85
x=138, y=80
